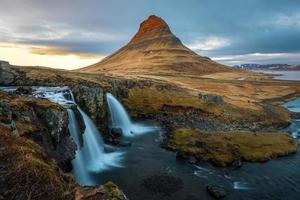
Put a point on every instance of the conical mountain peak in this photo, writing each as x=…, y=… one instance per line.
x=155, y=49
x=152, y=27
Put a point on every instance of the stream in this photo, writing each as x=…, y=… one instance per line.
x=146, y=171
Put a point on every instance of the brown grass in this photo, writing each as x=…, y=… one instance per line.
x=224, y=148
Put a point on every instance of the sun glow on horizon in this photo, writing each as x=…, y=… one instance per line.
x=25, y=55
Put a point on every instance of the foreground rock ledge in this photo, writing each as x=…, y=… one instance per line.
x=27, y=173
x=230, y=148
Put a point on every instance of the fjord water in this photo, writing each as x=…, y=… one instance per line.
x=91, y=157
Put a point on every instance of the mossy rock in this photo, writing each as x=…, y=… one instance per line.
x=225, y=148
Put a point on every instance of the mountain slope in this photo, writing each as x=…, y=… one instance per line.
x=155, y=49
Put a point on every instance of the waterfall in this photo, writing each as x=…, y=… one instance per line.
x=118, y=115
x=120, y=119
x=91, y=157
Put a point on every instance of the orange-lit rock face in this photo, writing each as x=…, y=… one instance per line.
x=152, y=27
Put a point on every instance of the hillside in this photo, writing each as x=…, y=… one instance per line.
x=155, y=49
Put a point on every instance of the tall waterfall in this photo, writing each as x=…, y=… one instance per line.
x=120, y=119
x=90, y=157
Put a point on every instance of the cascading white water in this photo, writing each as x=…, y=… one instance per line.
x=120, y=119
x=90, y=156
x=118, y=115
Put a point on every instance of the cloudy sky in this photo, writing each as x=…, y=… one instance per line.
x=75, y=33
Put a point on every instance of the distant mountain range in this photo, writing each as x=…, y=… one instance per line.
x=275, y=67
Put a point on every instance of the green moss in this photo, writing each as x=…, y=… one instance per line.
x=226, y=147
x=112, y=190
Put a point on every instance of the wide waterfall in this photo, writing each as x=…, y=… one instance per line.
x=90, y=157
x=120, y=119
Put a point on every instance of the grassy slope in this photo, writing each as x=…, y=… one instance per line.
x=27, y=172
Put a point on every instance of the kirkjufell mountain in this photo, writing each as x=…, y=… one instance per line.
x=155, y=49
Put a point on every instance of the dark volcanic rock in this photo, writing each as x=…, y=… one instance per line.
x=216, y=191
x=25, y=90
x=6, y=75
x=43, y=122
x=117, y=132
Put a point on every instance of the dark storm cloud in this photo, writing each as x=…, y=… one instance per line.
x=211, y=27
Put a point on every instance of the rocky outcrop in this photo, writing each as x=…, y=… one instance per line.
x=6, y=76
x=43, y=122
x=91, y=98
x=108, y=191
x=27, y=172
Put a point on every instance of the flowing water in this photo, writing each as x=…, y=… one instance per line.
x=276, y=179
x=91, y=157
x=120, y=119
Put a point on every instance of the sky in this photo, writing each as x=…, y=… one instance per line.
x=75, y=33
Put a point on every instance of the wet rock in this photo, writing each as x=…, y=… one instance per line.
x=116, y=132
x=216, y=191
x=91, y=99
x=237, y=163
x=24, y=90
x=181, y=156
x=43, y=122
x=6, y=75
x=192, y=160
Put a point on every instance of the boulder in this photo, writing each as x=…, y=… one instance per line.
x=25, y=90
x=237, y=163
x=216, y=191
x=116, y=132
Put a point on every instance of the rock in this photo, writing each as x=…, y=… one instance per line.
x=192, y=160
x=216, y=191
x=212, y=98
x=43, y=122
x=108, y=191
x=25, y=90
x=180, y=156
x=116, y=132
x=237, y=163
